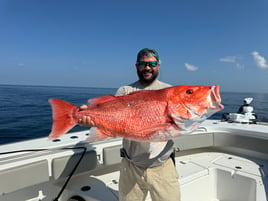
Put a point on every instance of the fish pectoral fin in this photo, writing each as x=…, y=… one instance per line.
x=156, y=148
x=145, y=132
x=160, y=132
x=99, y=135
x=187, y=125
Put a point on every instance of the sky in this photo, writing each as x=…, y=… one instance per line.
x=94, y=43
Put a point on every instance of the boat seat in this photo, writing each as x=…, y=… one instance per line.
x=241, y=141
x=63, y=166
x=23, y=176
x=111, y=155
x=195, y=141
x=187, y=142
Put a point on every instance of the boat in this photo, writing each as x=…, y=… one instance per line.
x=245, y=113
x=220, y=161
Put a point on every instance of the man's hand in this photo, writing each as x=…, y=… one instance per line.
x=85, y=120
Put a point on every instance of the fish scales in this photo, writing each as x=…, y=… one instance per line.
x=129, y=114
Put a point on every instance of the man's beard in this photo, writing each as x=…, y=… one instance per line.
x=145, y=80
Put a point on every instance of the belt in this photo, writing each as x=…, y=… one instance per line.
x=123, y=153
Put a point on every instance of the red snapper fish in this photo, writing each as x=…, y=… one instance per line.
x=146, y=115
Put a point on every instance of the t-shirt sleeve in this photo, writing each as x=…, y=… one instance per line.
x=121, y=91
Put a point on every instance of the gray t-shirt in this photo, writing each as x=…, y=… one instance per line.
x=138, y=152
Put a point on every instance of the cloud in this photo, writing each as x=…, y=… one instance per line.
x=230, y=59
x=239, y=66
x=259, y=60
x=190, y=67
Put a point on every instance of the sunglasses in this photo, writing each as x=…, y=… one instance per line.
x=142, y=64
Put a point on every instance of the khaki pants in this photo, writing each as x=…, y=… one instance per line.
x=161, y=182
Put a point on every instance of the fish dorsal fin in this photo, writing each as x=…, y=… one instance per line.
x=102, y=99
x=134, y=92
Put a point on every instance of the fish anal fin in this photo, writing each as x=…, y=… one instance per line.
x=99, y=135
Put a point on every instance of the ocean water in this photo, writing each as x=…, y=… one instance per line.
x=26, y=114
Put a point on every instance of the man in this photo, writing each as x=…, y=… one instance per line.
x=139, y=174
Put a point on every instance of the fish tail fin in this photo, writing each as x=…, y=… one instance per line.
x=63, y=119
x=98, y=135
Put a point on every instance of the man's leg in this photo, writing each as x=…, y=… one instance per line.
x=163, y=182
x=131, y=182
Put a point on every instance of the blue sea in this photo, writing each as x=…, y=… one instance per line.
x=26, y=114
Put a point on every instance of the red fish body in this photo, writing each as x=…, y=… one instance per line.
x=147, y=115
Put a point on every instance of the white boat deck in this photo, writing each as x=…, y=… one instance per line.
x=208, y=176
x=218, y=162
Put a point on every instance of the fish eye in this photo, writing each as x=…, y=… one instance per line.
x=189, y=91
